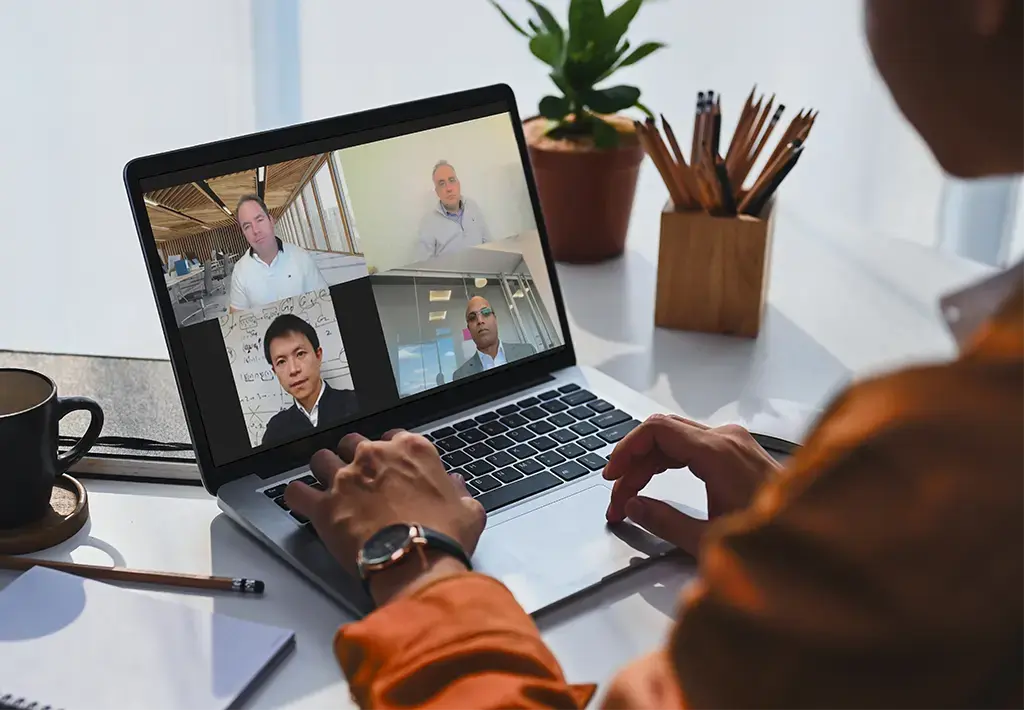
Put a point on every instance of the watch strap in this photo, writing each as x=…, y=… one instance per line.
x=440, y=541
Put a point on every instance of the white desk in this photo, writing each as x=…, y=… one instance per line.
x=839, y=305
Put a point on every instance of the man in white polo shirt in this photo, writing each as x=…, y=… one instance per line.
x=455, y=222
x=270, y=270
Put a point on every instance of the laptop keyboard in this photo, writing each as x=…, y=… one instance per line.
x=521, y=449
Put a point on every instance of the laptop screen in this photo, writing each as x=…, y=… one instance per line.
x=345, y=280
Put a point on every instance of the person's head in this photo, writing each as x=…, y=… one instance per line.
x=482, y=323
x=256, y=223
x=956, y=71
x=292, y=348
x=446, y=185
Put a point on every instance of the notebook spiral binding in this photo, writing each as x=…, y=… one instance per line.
x=9, y=702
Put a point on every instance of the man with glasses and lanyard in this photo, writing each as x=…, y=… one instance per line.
x=490, y=351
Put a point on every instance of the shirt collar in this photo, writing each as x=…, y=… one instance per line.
x=280, y=250
x=316, y=405
x=444, y=210
x=498, y=353
x=967, y=309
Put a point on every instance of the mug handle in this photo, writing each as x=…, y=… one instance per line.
x=66, y=405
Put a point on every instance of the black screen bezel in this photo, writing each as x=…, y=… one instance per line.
x=253, y=149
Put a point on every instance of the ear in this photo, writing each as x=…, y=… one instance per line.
x=320, y=354
x=988, y=17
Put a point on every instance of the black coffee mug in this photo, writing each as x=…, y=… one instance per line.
x=29, y=465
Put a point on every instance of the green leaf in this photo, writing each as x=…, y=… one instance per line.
x=547, y=18
x=533, y=26
x=508, y=18
x=617, y=23
x=643, y=108
x=605, y=135
x=639, y=53
x=611, y=100
x=547, y=48
x=586, y=19
x=554, y=107
x=561, y=83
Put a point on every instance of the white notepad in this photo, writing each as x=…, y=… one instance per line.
x=67, y=643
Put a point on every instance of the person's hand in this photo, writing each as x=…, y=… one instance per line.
x=369, y=485
x=727, y=458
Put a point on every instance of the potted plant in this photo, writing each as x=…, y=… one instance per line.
x=585, y=156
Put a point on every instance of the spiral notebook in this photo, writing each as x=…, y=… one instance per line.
x=68, y=643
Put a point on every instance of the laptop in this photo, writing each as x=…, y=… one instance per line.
x=385, y=269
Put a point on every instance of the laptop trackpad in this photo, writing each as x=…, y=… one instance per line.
x=562, y=548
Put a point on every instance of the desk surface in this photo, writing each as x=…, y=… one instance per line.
x=839, y=306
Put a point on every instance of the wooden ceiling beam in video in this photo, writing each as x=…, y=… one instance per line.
x=208, y=191
x=176, y=213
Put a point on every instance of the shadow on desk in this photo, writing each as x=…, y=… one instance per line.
x=289, y=602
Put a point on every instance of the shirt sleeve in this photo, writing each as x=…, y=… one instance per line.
x=460, y=642
x=485, y=233
x=238, y=299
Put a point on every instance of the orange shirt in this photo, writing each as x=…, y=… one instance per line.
x=884, y=566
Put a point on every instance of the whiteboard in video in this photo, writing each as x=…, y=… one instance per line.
x=259, y=393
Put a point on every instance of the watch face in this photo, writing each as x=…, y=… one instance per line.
x=385, y=543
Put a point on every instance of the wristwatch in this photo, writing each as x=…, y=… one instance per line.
x=390, y=545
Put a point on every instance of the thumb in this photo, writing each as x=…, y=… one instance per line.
x=661, y=519
x=303, y=499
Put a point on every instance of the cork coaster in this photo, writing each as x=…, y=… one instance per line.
x=69, y=509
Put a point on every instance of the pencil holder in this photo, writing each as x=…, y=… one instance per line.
x=713, y=271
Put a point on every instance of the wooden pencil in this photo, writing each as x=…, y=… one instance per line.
x=742, y=140
x=751, y=160
x=741, y=126
x=122, y=574
x=684, y=171
x=769, y=173
x=695, y=145
x=661, y=163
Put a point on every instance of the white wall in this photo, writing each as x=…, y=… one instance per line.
x=390, y=185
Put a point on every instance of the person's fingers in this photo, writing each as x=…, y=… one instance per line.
x=692, y=423
x=661, y=519
x=660, y=443
x=391, y=434
x=305, y=500
x=325, y=465
x=479, y=518
x=348, y=445
x=460, y=484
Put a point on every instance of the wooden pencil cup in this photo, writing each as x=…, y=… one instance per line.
x=713, y=272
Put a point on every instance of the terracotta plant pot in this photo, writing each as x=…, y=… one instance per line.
x=586, y=194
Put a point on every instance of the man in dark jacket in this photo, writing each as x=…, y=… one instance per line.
x=292, y=348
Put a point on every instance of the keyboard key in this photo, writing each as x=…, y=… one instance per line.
x=593, y=461
x=541, y=427
x=280, y=502
x=581, y=412
x=561, y=419
x=501, y=459
x=275, y=491
x=529, y=467
x=600, y=406
x=464, y=424
x=534, y=413
x=309, y=479
x=522, y=434
x=428, y=437
x=478, y=468
x=456, y=458
x=442, y=433
x=523, y=451
x=473, y=490
x=317, y=486
x=507, y=475
x=492, y=428
x=500, y=442
x=507, y=409
x=471, y=436
x=550, y=458
x=514, y=420
x=528, y=402
x=543, y=443
x=451, y=443
x=618, y=431
x=478, y=451
x=563, y=436
x=570, y=470
x=486, y=483
x=554, y=406
x=299, y=517
x=486, y=417
x=591, y=443
x=566, y=389
x=545, y=396
x=571, y=451
x=616, y=416
x=578, y=397
x=466, y=475
x=517, y=491
x=583, y=428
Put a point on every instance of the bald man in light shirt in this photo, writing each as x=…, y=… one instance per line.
x=490, y=351
x=455, y=223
